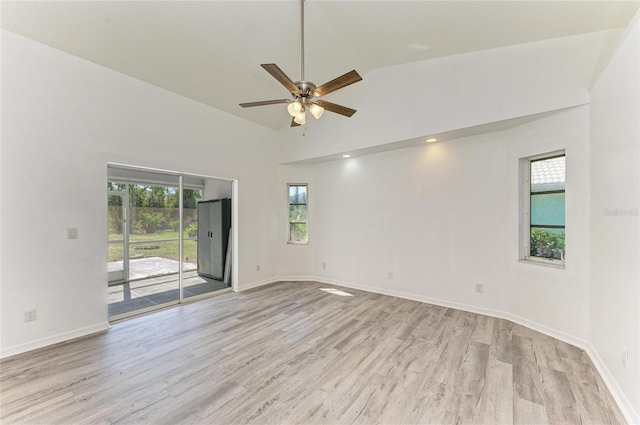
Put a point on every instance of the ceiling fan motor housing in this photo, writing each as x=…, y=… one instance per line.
x=306, y=88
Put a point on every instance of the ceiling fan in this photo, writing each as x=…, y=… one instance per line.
x=304, y=93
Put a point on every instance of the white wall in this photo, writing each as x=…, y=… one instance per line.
x=296, y=261
x=63, y=119
x=217, y=189
x=444, y=217
x=432, y=215
x=430, y=97
x=554, y=298
x=615, y=217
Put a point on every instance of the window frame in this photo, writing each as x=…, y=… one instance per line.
x=289, y=204
x=525, y=210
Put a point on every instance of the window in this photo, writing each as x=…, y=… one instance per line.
x=544, y=209
x=298, y=209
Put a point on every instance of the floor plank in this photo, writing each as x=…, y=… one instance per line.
x=292, y=353
x=528, y=413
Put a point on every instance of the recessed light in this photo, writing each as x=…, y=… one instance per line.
x=433, y=139
x=346, y=155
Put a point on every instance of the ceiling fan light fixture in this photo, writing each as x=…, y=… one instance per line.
x=316, y=110
x=294, y=108
x=300, y=118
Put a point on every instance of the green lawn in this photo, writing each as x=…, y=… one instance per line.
x=154, y=249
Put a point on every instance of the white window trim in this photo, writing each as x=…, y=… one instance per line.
x=289, y=241
x=525, y=212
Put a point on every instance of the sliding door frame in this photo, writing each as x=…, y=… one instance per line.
x=125, y=235
x=181, y=186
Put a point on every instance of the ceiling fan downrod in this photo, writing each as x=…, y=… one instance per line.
x=302, y=40
x=306, y=88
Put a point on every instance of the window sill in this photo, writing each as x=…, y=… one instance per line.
x=548, y=263
x=297, y=243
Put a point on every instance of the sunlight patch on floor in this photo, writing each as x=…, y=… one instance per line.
x=335, y=291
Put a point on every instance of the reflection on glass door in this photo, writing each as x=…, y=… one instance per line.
x=117, y=230
x=208, y=239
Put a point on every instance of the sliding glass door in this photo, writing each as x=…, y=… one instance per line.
x=144, y=251
x=153, y=237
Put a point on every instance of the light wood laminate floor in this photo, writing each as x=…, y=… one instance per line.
x=293, y=353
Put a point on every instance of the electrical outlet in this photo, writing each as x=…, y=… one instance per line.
x=625, y=357
x=72, y=233
x=258, y=268
x=390, y=275
x=479, y=288
x=324, y=266
x=30, y=315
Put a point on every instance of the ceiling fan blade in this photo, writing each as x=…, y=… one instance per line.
x=264, y=102
x=337, y=83
x=294, y=123
x=338, y=109
x=279, y=75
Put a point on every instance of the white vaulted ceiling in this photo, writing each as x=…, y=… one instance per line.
x=211, y=51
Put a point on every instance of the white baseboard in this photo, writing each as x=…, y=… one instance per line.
x=54, y=339
x=414, y=297
x=623, y=401
x=251, y=285
x=562, y=336
x=297, y=279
